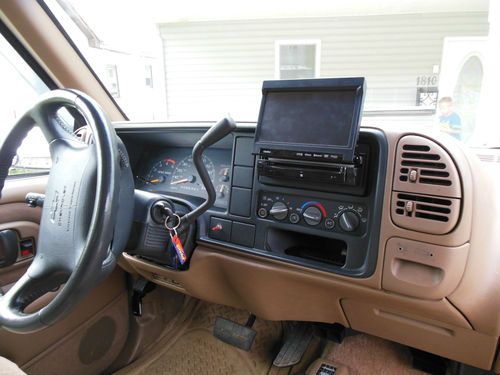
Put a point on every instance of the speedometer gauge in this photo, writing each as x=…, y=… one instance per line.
x=160, y=172
x=172, y=172
x=186, y=178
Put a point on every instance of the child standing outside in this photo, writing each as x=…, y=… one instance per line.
x=449, y=121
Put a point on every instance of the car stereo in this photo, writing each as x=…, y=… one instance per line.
x=308, y=131
x=311, y=119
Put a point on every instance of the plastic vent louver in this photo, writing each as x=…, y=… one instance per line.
x=424, y=213
x=426, y=189
x=424, y=167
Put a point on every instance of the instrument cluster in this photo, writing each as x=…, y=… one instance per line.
x=173, y=171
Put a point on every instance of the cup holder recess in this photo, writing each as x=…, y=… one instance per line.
x=307, y=247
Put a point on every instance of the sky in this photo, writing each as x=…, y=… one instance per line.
x=132, y=23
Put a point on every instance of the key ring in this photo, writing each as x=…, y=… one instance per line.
x=173, y=228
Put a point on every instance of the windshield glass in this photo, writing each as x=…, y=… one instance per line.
x=428, y=64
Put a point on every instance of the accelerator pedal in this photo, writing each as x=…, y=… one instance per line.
x=235, y=334
x=298, y=335
x=325, y=367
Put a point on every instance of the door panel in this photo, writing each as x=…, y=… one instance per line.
x=86, y=341
x=16, y=215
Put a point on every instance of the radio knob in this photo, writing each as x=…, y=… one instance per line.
x=279, y=211
x=312, y=215
x=349, y=221
x=262, y=212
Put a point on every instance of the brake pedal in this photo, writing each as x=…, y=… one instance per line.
x=235, y=334
x=298, y=335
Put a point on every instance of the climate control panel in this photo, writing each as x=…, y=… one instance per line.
x=329, y=215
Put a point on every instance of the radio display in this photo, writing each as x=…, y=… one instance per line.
x=306, y=118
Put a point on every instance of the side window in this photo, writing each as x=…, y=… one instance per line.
x=20, y=89
x=297, y=59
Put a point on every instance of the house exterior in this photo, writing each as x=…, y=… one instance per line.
x=133, y=74
x=215, y=67
x=134, y=80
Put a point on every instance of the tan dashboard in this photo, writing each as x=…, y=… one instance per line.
x=436, y=281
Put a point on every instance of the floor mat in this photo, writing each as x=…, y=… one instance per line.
x=366, y=354
x=194, y=350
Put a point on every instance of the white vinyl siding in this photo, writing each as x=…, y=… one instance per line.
x=217, y=67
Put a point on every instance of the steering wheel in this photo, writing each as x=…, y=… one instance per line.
x=87, y=212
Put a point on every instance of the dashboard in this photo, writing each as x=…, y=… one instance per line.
x=408, y=272
x=261, y=213
x=381, y=230
x=171, y=170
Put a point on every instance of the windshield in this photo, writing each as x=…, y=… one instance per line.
x=428, y=65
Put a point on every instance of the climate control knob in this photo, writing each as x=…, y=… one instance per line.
x=279, y=211
x=349, y=221
x=312, y=215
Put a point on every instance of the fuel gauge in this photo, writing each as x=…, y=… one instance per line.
x=160, y=172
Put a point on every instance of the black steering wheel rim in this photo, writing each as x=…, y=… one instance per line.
x=78, y=227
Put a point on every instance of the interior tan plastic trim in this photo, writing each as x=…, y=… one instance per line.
x=463, y=345
x=15, y=189
x=34, y=28
x=24, y=348
x=15, y=214
x=462, y=231
x=275, y=290
x=477, y=295
x=64, y=356
x=423, y=270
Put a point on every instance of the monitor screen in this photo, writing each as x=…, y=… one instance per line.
x=308, y=117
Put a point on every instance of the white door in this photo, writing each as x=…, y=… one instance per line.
x=461, y=78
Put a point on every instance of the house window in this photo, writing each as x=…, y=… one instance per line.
x=148, y=75
x=297, y=59
x=111, y=80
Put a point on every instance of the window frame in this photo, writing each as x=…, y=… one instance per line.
x=44, y=77
x=27, y=56
x=297, y=42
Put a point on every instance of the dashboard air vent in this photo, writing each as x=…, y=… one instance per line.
x=436, y=215
x=423, y=166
